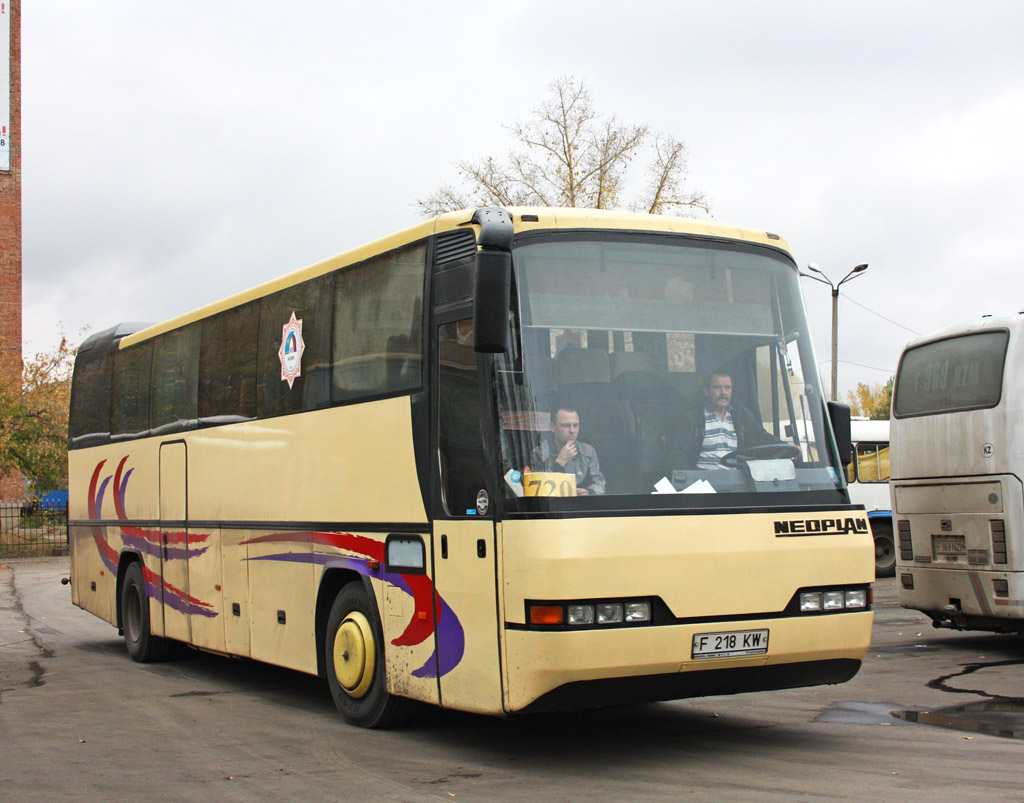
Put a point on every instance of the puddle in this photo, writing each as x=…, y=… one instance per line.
x=855, y=713
x=1004, y=717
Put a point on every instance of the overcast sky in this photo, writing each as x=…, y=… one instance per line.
x=175, y=153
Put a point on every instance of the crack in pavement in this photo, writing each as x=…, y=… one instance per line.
x=941, y=683
x=20, y=664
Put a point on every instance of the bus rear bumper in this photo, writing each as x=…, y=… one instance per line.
x=964, y=599
x=566, y=670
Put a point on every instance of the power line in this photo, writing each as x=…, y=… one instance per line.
x=890, y=320
x=871, y=367
x=860, y=365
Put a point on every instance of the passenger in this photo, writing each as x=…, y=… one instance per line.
x=562, y=452
x=715, y=428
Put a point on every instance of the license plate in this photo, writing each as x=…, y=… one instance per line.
x=949, y=547
x=736, y=642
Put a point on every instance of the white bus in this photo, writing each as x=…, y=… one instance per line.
x=868, y=478
x=957, y=463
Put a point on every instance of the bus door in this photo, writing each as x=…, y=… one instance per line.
x=465, y=554
x=173, y=537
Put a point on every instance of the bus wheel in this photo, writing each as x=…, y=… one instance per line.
x=354, y=656
x=141, y=644
x=885, y=549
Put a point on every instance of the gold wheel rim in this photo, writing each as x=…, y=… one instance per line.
x=355, y=655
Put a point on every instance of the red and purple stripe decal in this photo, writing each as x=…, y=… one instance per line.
x=177, y=546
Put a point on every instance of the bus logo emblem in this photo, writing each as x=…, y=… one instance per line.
x=987, y=450
x=290, y=353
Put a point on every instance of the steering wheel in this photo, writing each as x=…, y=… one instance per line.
x=767, y=451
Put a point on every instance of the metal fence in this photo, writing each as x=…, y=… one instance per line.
x=29, y=529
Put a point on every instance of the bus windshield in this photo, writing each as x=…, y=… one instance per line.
x=660, y=370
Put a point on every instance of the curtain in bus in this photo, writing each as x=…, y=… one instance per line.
x=872, y=463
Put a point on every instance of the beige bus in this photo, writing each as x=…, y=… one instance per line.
x=353, y=472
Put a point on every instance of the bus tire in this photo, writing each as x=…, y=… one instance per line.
x=885, y=549
x=354, y=658
x=139, y=640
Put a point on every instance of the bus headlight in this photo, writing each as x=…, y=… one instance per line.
x=638, y=611
x=810, y=601
x=609, y=613
x=857, y=598
x=581, y=614
x=588, y=614
x=834, y=599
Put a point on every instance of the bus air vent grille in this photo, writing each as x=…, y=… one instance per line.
x=451, y=246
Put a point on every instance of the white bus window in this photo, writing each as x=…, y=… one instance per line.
x=958, y=373
x=872, y=463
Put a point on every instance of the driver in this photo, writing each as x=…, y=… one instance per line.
x=715, y=428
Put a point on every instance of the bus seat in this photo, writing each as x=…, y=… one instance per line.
x=627, y=361
x=576, y=366
x=657, y=410
x=542, y=376
x=689, y=385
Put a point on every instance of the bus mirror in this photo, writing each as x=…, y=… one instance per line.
x=491, y=301
x=839, y=414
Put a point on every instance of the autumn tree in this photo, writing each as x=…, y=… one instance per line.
x=568, y=155
x=871, y=401
x=34, y=418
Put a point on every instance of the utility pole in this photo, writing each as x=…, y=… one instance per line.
x=821, y=277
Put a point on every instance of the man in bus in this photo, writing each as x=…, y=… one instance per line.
x=563, y=452
x=716, y=428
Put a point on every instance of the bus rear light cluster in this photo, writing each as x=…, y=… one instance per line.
x=590, y=614
x=906, y=543
x=833, y=600
x=998, y=530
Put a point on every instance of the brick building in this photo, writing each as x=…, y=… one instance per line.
x=10, y=212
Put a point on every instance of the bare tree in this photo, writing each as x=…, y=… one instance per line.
x=567, y=156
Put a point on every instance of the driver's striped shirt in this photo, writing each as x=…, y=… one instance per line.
x=719, y=439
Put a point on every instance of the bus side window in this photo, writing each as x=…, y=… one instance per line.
x=871, y=467
x=459, y=438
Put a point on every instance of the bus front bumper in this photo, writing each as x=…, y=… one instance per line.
x=566, y=669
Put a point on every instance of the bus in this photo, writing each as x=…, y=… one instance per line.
x=957, y=464
x=331, y=472
x=868, y=478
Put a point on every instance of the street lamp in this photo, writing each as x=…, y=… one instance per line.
x=821, y=277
